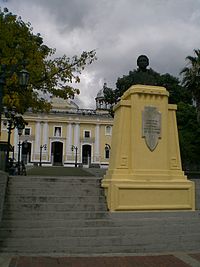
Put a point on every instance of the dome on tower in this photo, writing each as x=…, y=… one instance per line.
x=100, y=94
x=100, y=100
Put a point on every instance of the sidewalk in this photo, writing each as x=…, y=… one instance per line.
x=171, y=260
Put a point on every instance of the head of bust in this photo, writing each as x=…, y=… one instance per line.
x=142, y=62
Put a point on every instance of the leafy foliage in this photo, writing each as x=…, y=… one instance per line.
x=189, y=130
x=191, y=78
x=149, y=77
x=19, y=45
x=189, y=136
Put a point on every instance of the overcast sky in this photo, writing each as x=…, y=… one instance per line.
x=120, y=30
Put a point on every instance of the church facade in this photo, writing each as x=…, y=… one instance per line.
x=66, y=136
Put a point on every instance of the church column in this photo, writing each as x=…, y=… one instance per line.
x=69, y=142
x=77, y=139
x=97, y=141
x=77, y=135
x=37, y=140
x=45, y=136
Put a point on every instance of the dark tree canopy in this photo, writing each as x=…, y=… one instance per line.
x=191, y=78
x=18, y=44
x=149, y=77
x=189, y=130
x=189, y=136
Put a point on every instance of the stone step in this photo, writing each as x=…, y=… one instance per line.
x=53, y=178
x=48, y=182
x=54, y=199
x=102, y=244
x=57, y=186
x=78, y=206
x=69, y=215
x=55, y=223
x=64, y=215
x=54, y=192
x=76, y=220
x=130, y=217
x=50, y=179
x=59, y=230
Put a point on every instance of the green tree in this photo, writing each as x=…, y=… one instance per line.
x=149, y=77
x=134, y=77
x=191, y=78
x=189, y=130
x=48, y=74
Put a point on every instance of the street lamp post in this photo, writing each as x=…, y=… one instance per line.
x=11, y=125
x=13, y=121
x=20, y=126
x=41, y=147
x=76, y=149
x=19, y=152
x=107, y=151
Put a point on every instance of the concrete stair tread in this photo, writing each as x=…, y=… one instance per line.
x=96, y=215
x=101, y=241
x=53, y=224
x=105, y=240
x=58, y=207
x=54, y=179
x=53, y=199
x=51, y=192
x=104, y=229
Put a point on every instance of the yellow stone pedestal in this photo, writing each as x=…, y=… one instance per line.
x=145, y=170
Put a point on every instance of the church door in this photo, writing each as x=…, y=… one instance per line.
x=86, y=155
x=57, y=153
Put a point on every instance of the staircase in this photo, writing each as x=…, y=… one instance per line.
x=68, y=216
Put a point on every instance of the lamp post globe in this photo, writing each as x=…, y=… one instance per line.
x=23, y=78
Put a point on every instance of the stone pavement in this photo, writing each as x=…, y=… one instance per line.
x=169, y=260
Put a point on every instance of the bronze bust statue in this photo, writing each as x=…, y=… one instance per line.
x=142, y=62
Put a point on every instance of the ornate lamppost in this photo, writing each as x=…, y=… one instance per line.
x=20, y=126
x=13, y=121
x=107, y=151
x=11, y=124
x=76, y=149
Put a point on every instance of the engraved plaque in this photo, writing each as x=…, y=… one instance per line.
x=151, y=126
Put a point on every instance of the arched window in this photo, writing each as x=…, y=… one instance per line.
x=107, y=153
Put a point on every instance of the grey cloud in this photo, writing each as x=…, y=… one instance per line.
x=120, y=30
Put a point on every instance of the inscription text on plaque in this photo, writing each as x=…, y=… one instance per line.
x=151, y=126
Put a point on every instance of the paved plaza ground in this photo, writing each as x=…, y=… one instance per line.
x=169, y=260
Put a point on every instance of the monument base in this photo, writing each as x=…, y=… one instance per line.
x=134, y=195
x=145, y=171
